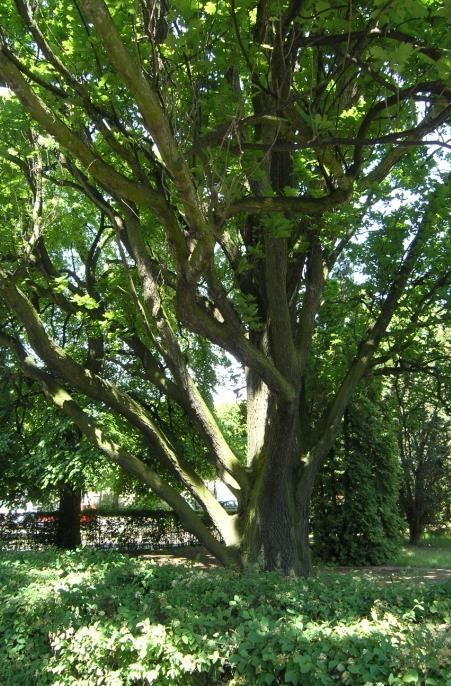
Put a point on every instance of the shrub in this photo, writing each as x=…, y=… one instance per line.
x=355, y=514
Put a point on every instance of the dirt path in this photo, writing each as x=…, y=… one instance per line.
x=199, y=557
x=432, y=574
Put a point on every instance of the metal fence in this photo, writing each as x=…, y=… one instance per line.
x=126, y=531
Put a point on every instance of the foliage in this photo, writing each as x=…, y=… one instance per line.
x=355, y=507
x=85, y=618
x=232, y=417
x=40, y=449
x=10, y=444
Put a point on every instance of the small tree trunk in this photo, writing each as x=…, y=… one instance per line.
x=115, y=500
x=68, y=532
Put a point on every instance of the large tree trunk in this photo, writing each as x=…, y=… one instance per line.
x=68, y=533
x=275, y=523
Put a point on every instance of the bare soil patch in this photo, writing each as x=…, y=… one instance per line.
x=195, y=555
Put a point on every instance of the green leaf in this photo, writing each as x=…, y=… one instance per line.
x=291, y=676
x=322, y=5
x=379, y=53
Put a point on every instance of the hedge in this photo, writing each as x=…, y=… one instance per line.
x=125, y=530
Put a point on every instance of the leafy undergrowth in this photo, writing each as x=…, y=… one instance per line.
x=92, y=618
x=433, y=551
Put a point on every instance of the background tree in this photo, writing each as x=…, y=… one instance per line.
x=423, y=433
x=43, y=457
x=198, y=194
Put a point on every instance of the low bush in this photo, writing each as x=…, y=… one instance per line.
x=91, y=618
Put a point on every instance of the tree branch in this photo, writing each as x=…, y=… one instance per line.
x=315, y=279
x=157, y=124
x=110, y=179
x=199, y=320
x=193, y=402
x=130, y=463
x=280, y=330
x=100, y=389
x=328, y=426
x=305, y=205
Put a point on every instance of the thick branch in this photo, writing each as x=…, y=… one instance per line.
x=130, y=463
x=436, y=88
x=110, y=179
x=199, y=320
x=305, y=205
x=376, y=33
x=102, y=390
x=281, y=334
x=193, y=402
x=315, y=278
x=388, y=162
x=156, y=123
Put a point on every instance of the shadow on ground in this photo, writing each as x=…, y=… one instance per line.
x=199, y=557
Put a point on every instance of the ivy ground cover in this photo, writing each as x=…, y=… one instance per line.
x=90, y=618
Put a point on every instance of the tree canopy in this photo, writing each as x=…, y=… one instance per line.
x=264, y=180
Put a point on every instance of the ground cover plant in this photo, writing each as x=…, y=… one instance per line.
x=82, y=617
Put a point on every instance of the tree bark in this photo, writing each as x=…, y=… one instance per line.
x=416, y=529
x=416, y=520
x=274, y=526
x=68, y=533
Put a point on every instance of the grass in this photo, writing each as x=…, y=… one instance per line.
x=433, y=551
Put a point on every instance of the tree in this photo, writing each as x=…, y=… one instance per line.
x=23, y=476
x=43, y=456
x=355, y=513
x=424, y=439
x=194, y=189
